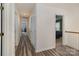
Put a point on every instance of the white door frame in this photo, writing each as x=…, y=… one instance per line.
x=9, y=30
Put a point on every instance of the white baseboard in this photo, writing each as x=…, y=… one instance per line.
x=44, y=49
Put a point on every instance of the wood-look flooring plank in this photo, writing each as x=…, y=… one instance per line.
x=25, y=48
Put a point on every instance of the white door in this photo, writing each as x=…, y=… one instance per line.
x=8, y=46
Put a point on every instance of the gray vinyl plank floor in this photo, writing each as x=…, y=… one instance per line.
x=25, y=48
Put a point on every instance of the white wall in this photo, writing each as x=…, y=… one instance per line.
x=72, y=24
x=45, y=27
x=33, y=31
x=17, y=33
x=71, y=17
x=33, y=27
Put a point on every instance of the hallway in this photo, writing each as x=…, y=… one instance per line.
x=25, y=48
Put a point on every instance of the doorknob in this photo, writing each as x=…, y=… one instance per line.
x=1, y=34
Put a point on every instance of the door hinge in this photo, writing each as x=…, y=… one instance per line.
x=1, y=34
x=1, y=8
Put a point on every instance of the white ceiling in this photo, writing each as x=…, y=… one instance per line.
x=63, y=5
x=24, y=9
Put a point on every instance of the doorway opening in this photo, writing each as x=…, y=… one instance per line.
x=59, y=30
x=23, y=25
